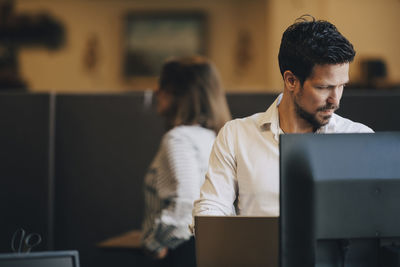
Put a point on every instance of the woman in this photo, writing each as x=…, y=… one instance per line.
x=193, y=103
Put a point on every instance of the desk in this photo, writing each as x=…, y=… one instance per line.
x=131, y=239
x=125, y=251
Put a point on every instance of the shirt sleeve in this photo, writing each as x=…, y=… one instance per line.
x=178, y=189
x=219, y=191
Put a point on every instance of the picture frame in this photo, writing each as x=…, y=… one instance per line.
x=151, y=38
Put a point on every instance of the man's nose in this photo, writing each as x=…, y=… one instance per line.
x=334, y=96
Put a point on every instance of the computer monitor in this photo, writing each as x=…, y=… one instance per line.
x=340, y=200
x=40, y=259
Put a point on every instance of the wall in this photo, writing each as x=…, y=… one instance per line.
x=372, y=26
x=63, y=70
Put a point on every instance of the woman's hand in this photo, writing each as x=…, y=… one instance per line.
x=161, y=254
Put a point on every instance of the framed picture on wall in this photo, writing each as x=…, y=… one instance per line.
x=151, y=38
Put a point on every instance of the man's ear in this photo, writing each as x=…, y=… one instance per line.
x=290, y=80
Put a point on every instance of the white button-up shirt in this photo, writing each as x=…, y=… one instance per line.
x=243, y=173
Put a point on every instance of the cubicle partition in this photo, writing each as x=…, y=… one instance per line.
x=72, y=165
x=378, y=110
x=25, y=167
x=104, y=144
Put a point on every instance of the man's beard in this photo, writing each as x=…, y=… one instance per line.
x=312, y=118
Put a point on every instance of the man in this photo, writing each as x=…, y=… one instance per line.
x=243, y=174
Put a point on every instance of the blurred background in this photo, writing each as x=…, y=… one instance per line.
x=76, y=146
x=118, y=45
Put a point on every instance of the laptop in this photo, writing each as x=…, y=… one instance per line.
x=237, y=241
x=66, y=258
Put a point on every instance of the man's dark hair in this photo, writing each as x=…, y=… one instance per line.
x=308, y=43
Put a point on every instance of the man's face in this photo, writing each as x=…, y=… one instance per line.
x=320, y=94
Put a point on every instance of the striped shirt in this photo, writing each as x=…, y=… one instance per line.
x=172, y=183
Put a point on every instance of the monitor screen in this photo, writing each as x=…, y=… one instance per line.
x=40, y=259
x=340, y=199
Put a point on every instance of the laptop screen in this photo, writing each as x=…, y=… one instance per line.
x=40, y=259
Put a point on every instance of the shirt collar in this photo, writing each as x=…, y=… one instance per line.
x=269, y=120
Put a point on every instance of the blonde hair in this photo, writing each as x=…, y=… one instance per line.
x=197, y=95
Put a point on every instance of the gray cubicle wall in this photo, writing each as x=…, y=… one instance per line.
x=377, y=109
x=242, y=104
x=104, y=145
x=25, y=167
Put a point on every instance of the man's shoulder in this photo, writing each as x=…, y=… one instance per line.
x=344, y=125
